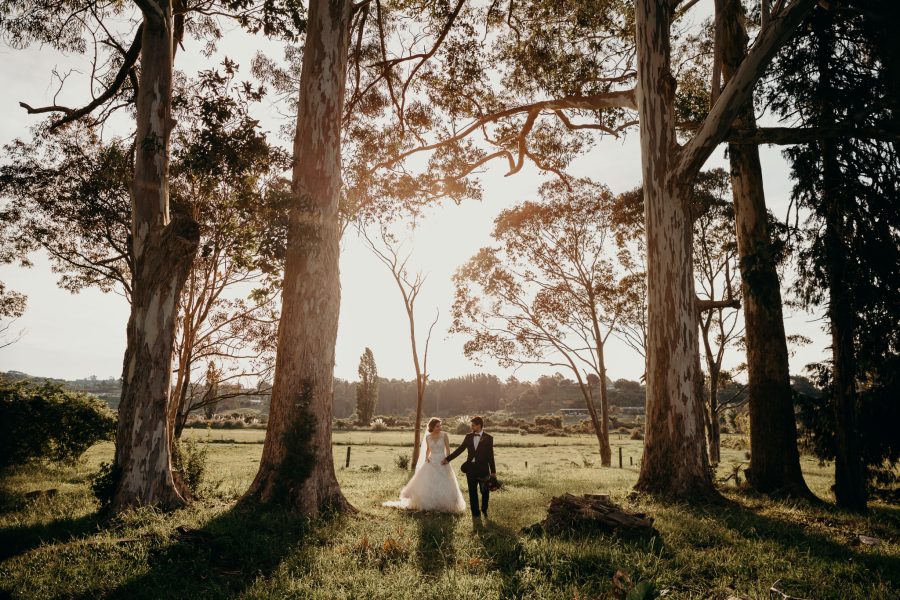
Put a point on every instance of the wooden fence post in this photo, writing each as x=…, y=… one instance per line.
x=620, y=457
x=347, y=466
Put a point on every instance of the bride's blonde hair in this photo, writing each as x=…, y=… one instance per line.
x=434, y=422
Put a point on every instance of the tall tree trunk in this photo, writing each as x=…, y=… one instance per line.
x=420, y=378
x=181, y=414
x=675, y=460
x=163, y=252
x=712, y=433
x=297, y=468
x=605, y=450
x=774, y=457
x=178, y=407
x=711, y=405
x=602, y=439
x=849, y=474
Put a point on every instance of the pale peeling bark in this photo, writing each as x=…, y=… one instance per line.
x=675, y=460
x=297, y=468
x=163, y=252
x=774, y=456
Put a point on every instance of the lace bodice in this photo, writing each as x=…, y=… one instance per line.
x=437, y=447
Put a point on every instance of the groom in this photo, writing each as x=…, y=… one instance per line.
x=479, y=464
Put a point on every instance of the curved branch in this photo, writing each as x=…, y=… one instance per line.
x=125, y=71
x=617, y=99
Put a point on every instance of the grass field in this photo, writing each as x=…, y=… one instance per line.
x=55, y=546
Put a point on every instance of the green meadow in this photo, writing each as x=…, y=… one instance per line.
x=55, y=545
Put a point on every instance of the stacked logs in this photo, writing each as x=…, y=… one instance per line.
x=591, y=513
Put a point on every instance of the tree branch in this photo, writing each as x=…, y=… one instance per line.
x=805, y=135
x=739, y=90
x=617, y=99
x=125, y=71
x=704, y=305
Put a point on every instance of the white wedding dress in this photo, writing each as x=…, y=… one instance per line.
x=433, y=486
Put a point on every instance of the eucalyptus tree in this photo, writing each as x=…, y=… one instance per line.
x=71, y=197
x=550, y=292
x=774, y=456
x=163, y=242
x=297, y=466
x=717, y=273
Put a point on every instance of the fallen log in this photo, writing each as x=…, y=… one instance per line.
x=591, y=513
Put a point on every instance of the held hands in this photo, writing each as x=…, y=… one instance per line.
x=445, y=462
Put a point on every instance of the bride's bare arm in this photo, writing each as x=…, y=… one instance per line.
x=427, y=453
x=446, y=444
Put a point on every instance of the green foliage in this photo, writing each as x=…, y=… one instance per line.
x=402, y=461
x=190, y=459
x=367, y=388
x=103, y=484
x=879, y=413
x=43, y=421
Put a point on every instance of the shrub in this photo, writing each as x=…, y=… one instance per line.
x=379, y=425
x=190, y=461
x=636, y=434
x=552, y=422
x=103, y=484
x=402, y=461
x=462, y=428
x=557, y=433
x=45, y=421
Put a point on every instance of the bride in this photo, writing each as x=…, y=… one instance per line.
x=433, y=486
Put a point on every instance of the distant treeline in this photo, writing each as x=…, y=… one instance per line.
x=469, y=394
x=481, y=393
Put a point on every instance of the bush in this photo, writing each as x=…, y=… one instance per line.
x=402, y=461
x=103, y=484
x=552, y=422
x=190, y=461
x=636, y=434
x=379, y=425
x=45, y=421
x=462, y=428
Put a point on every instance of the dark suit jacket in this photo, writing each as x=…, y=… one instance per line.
x=483, y=455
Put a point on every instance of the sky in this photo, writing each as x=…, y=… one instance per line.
x=77, y=335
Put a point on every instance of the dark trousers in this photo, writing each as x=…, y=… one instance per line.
x=474, y=487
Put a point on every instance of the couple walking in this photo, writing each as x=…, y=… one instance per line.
x=434, y=487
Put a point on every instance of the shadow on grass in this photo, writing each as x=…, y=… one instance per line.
x=791, y=534
x=506, y=553
x=435, y=549
x=225, y=556
x=19, y=539
x=22, y=538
